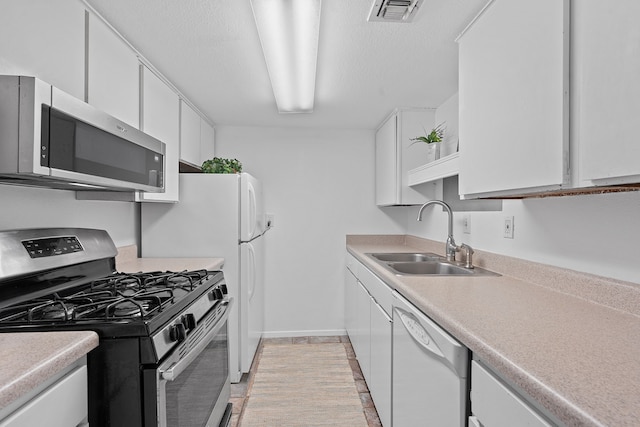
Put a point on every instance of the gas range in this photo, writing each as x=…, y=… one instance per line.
x=151, y=324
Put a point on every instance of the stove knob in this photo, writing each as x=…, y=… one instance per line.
x=223, y=287
x=217, y=293
x=177, y=332
x=189, y=321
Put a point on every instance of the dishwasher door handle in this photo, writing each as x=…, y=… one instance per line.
x=418, y=333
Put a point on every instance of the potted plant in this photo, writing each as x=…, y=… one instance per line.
x=220, y=165
x=432, y=139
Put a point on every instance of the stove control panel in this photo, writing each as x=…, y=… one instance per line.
x=51, y=246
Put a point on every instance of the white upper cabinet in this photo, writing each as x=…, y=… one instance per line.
x=197, y=137
x=44, y=39
x=189, y=135
x=113, y=74
x=514, y=99
x=606, y=87
x=161, y=119
x=207, y=142
x=396, y=155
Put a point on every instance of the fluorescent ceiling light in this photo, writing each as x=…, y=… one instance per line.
x=288, y=31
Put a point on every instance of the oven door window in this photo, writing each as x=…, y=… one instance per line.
x=190, y=398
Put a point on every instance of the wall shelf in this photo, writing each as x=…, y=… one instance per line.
x=441, y=168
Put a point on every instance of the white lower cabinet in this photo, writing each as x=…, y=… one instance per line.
x=350, y=309
x=363, y=331
x=380, y=363
x=61, y=402
x=369, y=326
x=495, y=404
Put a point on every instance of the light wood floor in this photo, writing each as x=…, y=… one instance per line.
x=240, y=392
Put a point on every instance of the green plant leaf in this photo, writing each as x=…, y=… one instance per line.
x=221, y=165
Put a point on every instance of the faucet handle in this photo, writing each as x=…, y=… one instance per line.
x=468, y=250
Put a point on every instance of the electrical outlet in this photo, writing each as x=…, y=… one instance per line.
x=466, y=224
x=508, y=227
x=269, y=220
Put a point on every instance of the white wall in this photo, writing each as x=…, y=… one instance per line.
x=596, y=233
x=319, y=184
x=24, y=207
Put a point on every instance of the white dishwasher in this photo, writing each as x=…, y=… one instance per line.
x=430, y=370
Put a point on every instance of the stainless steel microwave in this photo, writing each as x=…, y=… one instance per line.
x=48, y=138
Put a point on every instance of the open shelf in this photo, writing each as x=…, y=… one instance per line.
x=441, y=168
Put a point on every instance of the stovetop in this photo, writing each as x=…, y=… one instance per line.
x=117, y=297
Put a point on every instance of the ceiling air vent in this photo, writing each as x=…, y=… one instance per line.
x=394, y=10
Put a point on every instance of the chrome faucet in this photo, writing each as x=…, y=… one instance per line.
x=451, y=247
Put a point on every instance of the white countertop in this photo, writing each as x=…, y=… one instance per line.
x=127, y=261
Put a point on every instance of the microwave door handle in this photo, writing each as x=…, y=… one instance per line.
x=177, y=368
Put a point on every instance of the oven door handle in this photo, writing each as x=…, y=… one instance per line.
x=178, y=367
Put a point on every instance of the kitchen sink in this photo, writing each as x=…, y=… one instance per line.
x=425, y=264
x=430, y=267
x=406, y=257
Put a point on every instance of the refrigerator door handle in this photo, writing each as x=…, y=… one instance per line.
x=252, y=211
x=251, y=271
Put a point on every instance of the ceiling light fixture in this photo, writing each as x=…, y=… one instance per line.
x=288, y=31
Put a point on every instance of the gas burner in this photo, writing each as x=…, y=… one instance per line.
x=56, y=313
x=54, y=310
x=127, y=308
x=180, y=280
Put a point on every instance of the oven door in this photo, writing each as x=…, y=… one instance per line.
x=193, y=382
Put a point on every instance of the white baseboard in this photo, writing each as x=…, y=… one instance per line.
x=316, y=333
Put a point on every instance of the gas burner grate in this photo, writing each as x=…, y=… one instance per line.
x=116, y=297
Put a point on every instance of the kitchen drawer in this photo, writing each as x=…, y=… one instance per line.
x=377, y=288
x=494, y=404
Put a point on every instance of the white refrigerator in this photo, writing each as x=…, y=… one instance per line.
x=219, y=215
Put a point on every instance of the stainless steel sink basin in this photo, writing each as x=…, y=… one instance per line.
x=406, y=257
x=424, y=264
x=431, y=267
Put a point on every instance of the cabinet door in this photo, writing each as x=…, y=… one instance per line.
x=350, y=305
x=207, y=141
x=380, y=381
x=363, y=331
x=513, y=88
x=396, y=155
x=189, y=134
x=495, y=405
x=45, y=39
x=113, y=73
x=386, y=164
x=607, y=90
x=161, y=119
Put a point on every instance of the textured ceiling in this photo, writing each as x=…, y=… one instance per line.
x=210, y=50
